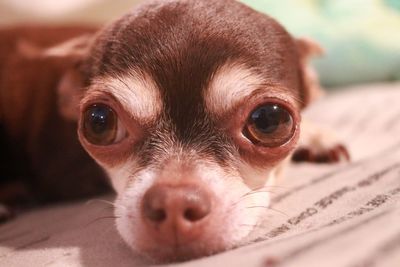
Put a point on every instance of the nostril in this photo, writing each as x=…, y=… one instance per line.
x=162, y=202
x=157, y=215
x=154, y=208
x=198, y=210
x=194, y=215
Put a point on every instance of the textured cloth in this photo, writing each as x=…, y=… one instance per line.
x=322, y=215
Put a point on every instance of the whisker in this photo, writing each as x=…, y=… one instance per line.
x=112, y=204
x=91, y=201
x=270, y=186
x=252, y=192
x=258, y=191
x=101, y=218
x=269, y=208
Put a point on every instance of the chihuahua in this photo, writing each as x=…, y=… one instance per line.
x=188, y=106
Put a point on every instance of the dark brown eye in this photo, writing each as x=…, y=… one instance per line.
x=270, y=125
x=101, y=125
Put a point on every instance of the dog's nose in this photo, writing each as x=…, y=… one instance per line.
x=179, y=206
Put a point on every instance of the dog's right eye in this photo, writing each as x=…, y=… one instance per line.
x=101, y=125
x=270, y=125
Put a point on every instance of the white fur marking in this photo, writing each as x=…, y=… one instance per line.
x=119, y=176
x=136, y=92
x=230, y=84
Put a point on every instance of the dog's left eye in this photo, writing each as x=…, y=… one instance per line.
x=270, y=125
x=101, y=125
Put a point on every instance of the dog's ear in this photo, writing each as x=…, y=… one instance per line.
x=70, y=88
x=307, y=49
x=70, y=91
x=74, y=48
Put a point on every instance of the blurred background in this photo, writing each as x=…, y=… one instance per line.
x=361, y=37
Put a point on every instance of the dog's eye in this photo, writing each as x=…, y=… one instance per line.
x=101, y=125
x=270, y=125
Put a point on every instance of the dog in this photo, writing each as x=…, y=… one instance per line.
x=189, y=107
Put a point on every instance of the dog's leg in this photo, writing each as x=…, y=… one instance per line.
x=319, y=145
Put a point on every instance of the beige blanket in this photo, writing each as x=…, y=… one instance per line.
x=323, y=215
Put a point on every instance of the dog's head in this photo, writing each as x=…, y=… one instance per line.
x=191, y=107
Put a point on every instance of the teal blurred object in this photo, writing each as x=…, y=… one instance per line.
x=361, y=37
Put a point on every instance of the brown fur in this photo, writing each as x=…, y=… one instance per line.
x=179, y=47
x=39, y=146
x=183, y=47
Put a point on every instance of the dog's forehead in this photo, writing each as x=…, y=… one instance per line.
x=183, y=45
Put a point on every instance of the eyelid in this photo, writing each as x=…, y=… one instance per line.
x=121, y=131
x=101, y=100
x=275, y=94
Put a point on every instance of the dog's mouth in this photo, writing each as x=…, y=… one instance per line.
x=182, y=252
x=173, y=237
x=169, y=219
x=162, y=247
x=178, y=242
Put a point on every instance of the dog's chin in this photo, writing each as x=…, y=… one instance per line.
x=181, y=253
x=160, y=253
x=160, y=250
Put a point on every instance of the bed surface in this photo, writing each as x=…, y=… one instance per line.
x=329, y=215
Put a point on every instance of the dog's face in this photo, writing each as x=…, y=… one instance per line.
x=191, y=107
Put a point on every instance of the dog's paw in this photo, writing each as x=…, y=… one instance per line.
x=319, y=145
x=333, y=154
